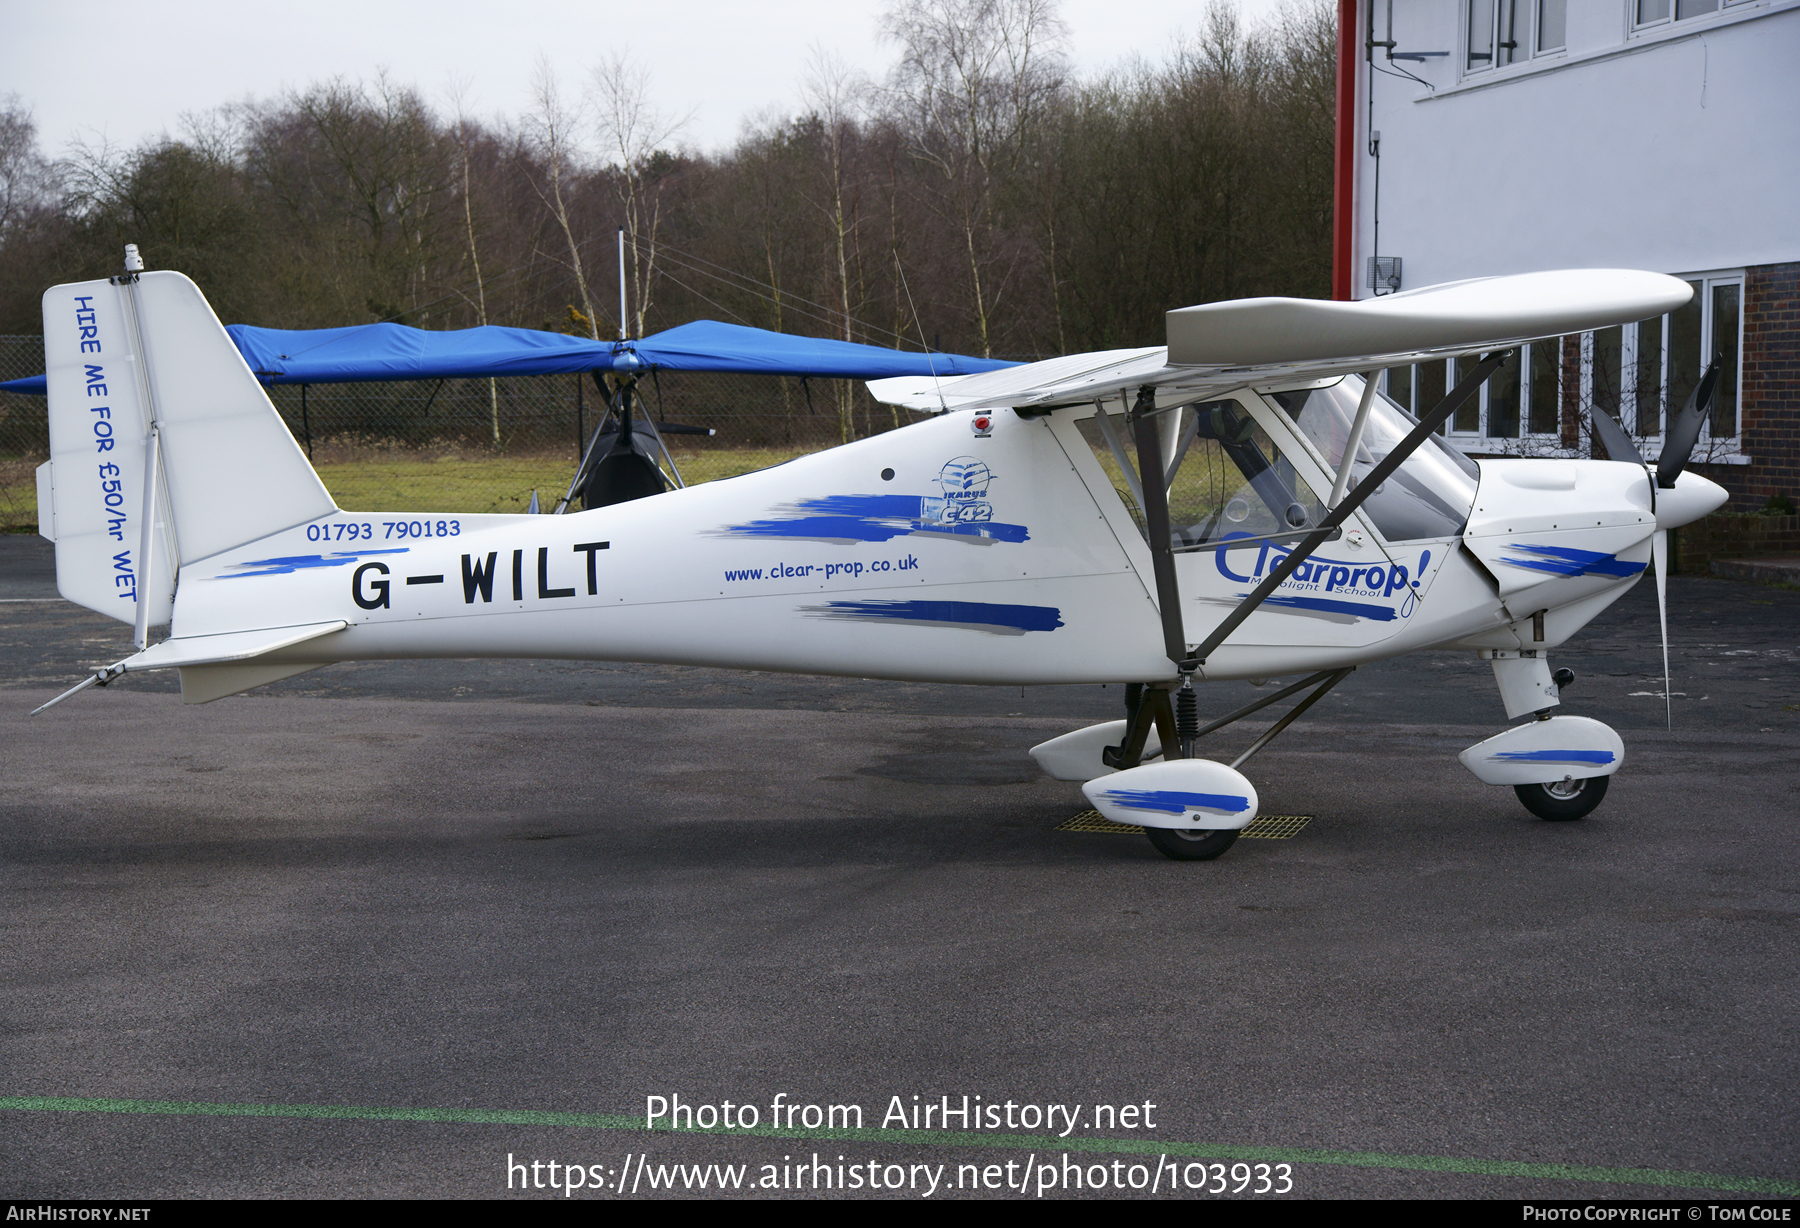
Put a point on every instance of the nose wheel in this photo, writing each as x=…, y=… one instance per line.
x=1563, y=799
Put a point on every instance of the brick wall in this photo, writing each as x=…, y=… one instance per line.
x=1771, y=391
x=1725, y=535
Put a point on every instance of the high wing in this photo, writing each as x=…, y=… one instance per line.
x=1217, y=347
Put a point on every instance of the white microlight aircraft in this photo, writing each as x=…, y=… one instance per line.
x=1241, y=504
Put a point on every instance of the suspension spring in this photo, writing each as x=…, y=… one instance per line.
x=1187, y=714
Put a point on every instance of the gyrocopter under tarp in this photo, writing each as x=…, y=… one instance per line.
x=617, y=465
x=396, y=352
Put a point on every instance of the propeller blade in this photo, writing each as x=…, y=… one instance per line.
x=1659, y=556
x=1613, y=437
x=1684, y=432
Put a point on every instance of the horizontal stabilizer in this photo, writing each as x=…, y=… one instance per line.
x=229, y=646
x=186, y=652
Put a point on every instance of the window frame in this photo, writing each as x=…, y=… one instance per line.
x=1673, y=16
x=1708, y=283
x=1527, y=22
x=1482, y=441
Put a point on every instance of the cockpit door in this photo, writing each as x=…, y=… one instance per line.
x=1243, y=490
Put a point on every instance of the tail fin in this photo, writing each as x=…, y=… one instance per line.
x=164, y=449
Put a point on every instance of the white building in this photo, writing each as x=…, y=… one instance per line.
x=1503, y=136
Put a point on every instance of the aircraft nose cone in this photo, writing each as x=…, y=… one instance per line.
x=1690, y=498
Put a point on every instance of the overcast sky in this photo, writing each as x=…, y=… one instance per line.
x=129, y=69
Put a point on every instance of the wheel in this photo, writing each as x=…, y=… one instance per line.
x=1563, y=799
x=1184, y=844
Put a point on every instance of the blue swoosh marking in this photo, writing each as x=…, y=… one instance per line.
x=1568, y=561
x=1553, y=756
x=850, y=527
x=1328, y=605
x=302, y=562
x=891, y=507
x=973, y=615
x=1169, y=801
x=870, y=518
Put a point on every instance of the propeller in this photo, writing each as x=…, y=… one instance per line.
x=1659, y=556
x=1684, y=431
x=1613, y=438
x=1678, y=446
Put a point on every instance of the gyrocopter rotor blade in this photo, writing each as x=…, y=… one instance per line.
x=1684, y=432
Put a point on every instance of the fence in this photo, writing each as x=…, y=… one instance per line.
x=486, y=445
x=24, y=435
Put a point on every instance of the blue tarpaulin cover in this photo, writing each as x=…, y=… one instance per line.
x=394, y=351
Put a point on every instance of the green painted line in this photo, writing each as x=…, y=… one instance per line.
x=936, y=1138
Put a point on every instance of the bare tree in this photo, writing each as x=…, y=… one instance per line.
x=555, y=133
x=465, y=139
x=976, y=79
x=381, y=146
x=633, y=133
x=27, y=180
x=835, y=94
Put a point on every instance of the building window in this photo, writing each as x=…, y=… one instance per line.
x=1552, y=25
x=1658, y=12
x=1502, y=32
x=1641, y=374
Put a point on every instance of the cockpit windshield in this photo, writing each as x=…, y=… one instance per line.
x=1430, y=495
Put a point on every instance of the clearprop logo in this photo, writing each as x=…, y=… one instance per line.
x=1343, y=587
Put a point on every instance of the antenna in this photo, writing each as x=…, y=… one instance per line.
x=929, y=361
x=623, y=334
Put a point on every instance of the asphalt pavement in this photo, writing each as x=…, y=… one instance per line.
x=374, y=930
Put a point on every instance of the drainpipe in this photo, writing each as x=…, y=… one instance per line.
x=1343, y=211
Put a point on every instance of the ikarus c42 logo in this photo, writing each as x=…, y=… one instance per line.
x=965, y=484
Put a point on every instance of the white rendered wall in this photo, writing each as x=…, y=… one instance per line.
x=1677, y=151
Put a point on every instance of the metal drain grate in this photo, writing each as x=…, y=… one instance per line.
x=1264, y=827
x=1093, y=821
x=1275, y=826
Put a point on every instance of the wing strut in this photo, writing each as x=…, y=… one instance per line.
x=1150, y=705
x=1156, y=524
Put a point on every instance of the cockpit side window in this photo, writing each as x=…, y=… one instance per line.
x=1429, y=496
x=1226, y=476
